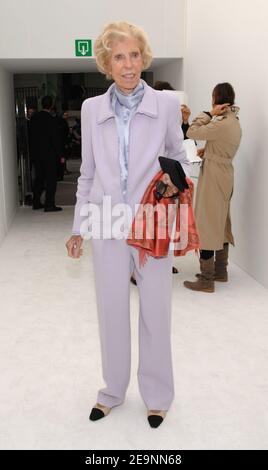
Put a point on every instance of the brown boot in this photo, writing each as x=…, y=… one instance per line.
x=205, y=281
x=221, y=262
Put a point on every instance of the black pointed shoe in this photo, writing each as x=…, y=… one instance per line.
x=98, y=412
x=155, y=418
x=53, y=209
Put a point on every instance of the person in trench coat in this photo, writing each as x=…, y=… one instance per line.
x=221, y=130
x=124, y=132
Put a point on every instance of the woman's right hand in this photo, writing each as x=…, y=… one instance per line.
x=185, y=111
x=74, y=246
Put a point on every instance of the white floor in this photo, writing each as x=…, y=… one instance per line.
x=50, y=355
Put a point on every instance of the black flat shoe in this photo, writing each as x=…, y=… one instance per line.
x=155, y=421
x=175, y=270
x=155, y=418
x=53, y=209
x=98, y=412
x=133, y=280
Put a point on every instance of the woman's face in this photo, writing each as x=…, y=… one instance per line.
x=126, y=64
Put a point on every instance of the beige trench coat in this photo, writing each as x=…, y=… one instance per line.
x=216, y=179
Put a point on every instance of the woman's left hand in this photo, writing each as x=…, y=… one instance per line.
x=171, y=189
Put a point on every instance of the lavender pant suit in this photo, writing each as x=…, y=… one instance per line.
x=154, y=130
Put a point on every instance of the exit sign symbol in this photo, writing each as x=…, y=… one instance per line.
x=83, y=47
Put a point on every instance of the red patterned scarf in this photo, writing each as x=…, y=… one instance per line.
x=157, y=225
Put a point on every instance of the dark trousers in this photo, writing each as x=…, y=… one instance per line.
x=206, y=254
x=60, y=170
x=45, y=178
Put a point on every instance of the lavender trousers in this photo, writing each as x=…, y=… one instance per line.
x=114, y=261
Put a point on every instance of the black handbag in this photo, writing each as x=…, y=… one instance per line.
x=175, y=171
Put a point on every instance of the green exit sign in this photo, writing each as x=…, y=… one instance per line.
x=83, y=47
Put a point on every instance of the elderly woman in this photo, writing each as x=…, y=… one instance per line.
x=221, y=129
x=123, y=133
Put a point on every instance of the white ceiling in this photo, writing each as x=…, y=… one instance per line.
x=74, y=65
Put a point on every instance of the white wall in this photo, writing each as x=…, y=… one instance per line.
x=8, y=158
x=227, y=41
x=38, y=29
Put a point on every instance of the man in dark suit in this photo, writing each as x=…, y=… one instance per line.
x=45, y=152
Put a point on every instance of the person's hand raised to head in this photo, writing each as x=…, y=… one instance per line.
x=219, y=109
x=185, y=111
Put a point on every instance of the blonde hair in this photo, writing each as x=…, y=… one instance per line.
x=118, y=31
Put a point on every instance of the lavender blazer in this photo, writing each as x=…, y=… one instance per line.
x=155, y=130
